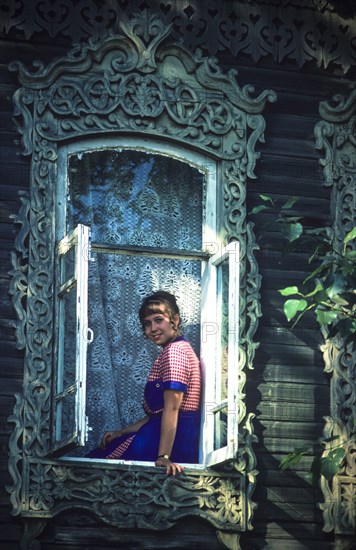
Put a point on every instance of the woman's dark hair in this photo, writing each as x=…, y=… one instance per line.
x=151, y=304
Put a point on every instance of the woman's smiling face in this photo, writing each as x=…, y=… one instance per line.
x=159, y=327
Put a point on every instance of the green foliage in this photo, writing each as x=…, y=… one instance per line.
x=327, y=466
x=293, y=458
x=329, y=292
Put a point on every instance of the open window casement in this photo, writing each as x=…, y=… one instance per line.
x=220, y=358
x=69, y=418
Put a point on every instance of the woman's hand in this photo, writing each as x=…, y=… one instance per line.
x=108, y=437
x=171, y=468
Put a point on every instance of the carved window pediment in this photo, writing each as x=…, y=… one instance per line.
x=134, y=85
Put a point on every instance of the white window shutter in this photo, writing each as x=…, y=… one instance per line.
x=69, y=418
x=220, y=355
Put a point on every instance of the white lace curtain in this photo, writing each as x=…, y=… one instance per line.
x=145, y=200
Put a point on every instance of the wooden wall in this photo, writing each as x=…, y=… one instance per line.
x=287, y=390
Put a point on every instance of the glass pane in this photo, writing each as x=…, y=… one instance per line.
x=224, y=317
x=65, y=425
x=67, y=267
x=136, y=198
x=67, y=362
x=220, y=418
x=65, y=403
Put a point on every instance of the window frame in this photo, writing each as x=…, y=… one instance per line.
x=79, y=240
x=211, y=354
x=211, y=243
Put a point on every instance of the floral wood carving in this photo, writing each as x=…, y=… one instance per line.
x=133, y=83
x=336, y=136
x=125, y=496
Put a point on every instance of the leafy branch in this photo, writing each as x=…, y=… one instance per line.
x=328, y=465
x=329, y=292
x=333, y=298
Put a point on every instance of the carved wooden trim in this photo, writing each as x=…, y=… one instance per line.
x=323, y=33
x=336, y=137
x=134, y=83
x=127, y=496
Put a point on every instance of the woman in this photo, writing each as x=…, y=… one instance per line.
x=169, y=433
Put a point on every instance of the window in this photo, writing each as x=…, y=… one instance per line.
x=220, y=337
x=153, y=224
x=72, y=302
x=99, y=123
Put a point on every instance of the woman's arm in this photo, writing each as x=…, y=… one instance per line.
x=109, y=436
x=172, y=403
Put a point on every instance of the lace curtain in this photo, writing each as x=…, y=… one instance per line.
x=146, y=201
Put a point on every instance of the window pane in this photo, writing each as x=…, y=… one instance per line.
x=223, y=275
x=220, y=424
x=68, y=321
x=67, y=267
x=66, y=379
x=220, y=439
x=135, y=198
x=65, y=425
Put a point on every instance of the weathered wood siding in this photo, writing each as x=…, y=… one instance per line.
x=287, y=390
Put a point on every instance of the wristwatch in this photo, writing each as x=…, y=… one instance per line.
x=163, y=456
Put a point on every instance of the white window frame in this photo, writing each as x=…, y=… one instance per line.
x=210, y=292
x=211, y=352
x=79, y=239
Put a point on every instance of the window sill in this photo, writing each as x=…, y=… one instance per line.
x=136, y=463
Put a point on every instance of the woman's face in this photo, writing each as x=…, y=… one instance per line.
x=158, y=327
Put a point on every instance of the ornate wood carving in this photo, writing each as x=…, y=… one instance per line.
x=324, y=33
x=128, y=497
x=336, y=136
x=139, y=83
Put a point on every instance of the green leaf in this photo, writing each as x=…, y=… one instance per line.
x=293, y=458
x=325, y=317
x=260, y=208
x=319, y=287
x=323, y=440
x=350, y=236
x=267, y=198
x=336, y=299
x=315, y=470
x=292, y=231
x=347, y=263
x=289, y=290
x=336, y=284
x=330, y=464
x=291, y=307
x=290, y=202
x=318, y=251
